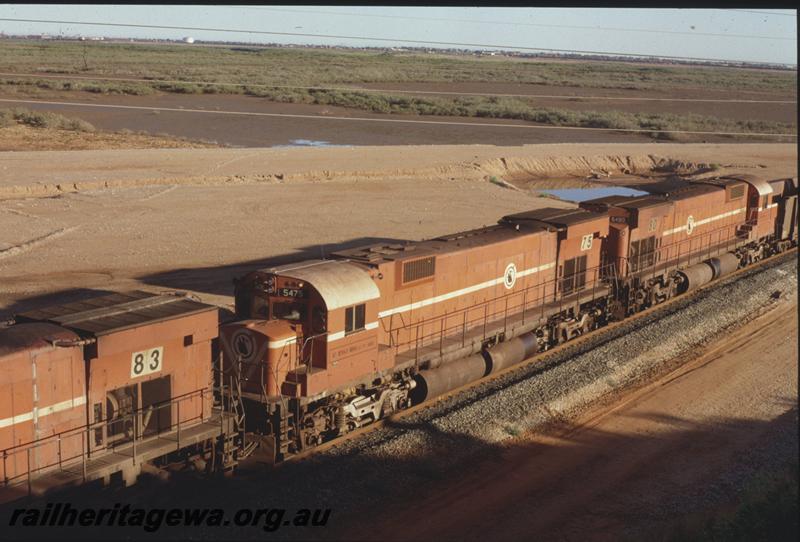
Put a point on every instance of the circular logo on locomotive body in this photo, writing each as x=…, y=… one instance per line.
x=689, y=224
x=510, y=276
x=243, y=344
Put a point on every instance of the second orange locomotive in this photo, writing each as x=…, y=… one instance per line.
x=322, y=347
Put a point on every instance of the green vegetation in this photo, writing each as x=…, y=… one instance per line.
x=308, y=67
x=42, y=119
x=512, y=430
x=546, y=195
x=267, y=72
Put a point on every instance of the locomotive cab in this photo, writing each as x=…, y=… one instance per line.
x=306, y=328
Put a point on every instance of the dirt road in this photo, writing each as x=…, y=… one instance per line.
x=323, y=126
x=203, y=119
x=677, y=447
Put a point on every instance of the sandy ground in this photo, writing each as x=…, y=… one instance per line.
x=28, y=173
x=627, y=466
x=195, y=218
x=200, y=237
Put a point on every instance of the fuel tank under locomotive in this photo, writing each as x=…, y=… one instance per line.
x=702, y=273
x=432, y=383
x=435, y=382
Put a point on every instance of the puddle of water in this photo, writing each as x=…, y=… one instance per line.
x=584, y=194
x=309, y=143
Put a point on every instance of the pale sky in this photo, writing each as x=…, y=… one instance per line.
x=773, y=33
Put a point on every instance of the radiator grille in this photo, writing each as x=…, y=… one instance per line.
x=419, y=269
x=736, y=192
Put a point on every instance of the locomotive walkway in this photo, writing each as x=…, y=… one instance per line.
x=126, y=459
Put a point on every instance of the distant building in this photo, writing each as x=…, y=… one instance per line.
x=188, y=39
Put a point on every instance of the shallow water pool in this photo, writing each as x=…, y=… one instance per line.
x=309, y=143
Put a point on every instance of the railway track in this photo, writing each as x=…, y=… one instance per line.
x=496, y=382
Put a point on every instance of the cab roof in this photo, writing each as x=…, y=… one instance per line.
x=31, y=336
x=340, y=283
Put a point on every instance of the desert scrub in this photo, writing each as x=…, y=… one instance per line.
x=307, y=67
x=96, y=87
x=42, y=119
x=270, y=72
x=473, y=106
x=658, y=125
x=6, y=118
x=517, y=109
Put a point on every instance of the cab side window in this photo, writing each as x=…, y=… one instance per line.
x=319, y=319
x=355, y=318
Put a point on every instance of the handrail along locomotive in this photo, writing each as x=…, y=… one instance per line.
x=319, y=348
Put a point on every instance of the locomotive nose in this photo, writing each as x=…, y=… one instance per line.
x=258, y=353
x=240, y=343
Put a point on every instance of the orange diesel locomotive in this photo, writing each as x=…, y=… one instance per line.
x=322, y=347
